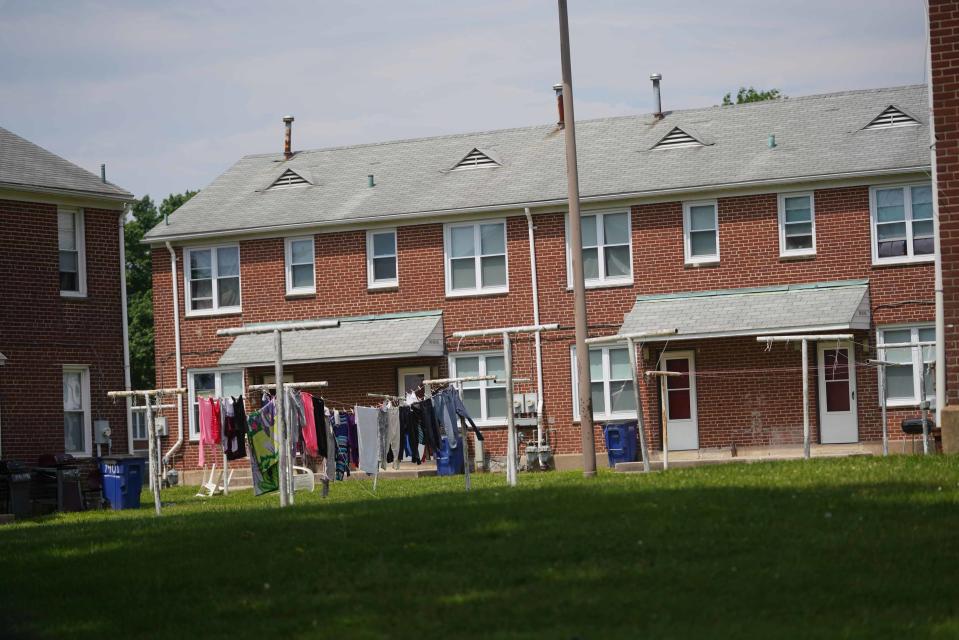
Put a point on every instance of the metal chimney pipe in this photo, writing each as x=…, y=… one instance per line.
x=288, y=138
x=558, y=88
x=103, y=173
x=656, y=77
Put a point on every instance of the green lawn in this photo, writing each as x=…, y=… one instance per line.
x=856, y=547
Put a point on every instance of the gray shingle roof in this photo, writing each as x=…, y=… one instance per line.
x=816, y=136
x=823, y=306
x=24, y=165
x=400, y=335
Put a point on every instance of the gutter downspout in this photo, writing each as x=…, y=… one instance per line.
x=539, y=344
x=126, y=325
x=179, y=364
x=937, y=248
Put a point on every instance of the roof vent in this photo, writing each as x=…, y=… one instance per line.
x=289, y=178
x=475, y=159
x=891, y=117
x=677, y=139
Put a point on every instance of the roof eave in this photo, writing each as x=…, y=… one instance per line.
x=16, y=186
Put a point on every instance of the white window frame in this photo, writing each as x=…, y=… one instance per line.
x=80, y=230
x=687, y=244
x=288, y=251
x=371, y=282
x=84, y=371
x=598, y=415
x=917, y=362
x=603, y=280
x=194, y=427
x=215, y=310
x=791, y=253
x=484, y=419
x=478, y=289
x=907, y=204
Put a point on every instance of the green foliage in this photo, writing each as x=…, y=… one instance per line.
x=752, y=95
x=144, y=215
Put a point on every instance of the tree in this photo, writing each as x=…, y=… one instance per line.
x=752, y=95
x=144, y=215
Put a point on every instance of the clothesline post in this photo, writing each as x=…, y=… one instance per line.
x=882, y=364
x=663, y=412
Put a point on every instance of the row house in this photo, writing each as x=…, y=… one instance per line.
x=63, y=322
x=809, y=214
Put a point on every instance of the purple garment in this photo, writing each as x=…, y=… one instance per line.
x=353, y=438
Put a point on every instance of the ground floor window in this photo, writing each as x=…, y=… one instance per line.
x=76, y=410
x=913, y=350
x=611, y=383
x=485, y=400
x=211, y=384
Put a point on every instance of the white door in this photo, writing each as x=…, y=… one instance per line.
x=837, y=393
x=411, y=379
x=682, y=430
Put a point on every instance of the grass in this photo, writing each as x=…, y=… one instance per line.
x=855, y=547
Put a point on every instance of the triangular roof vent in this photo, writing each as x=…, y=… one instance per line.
x=677, y=139
x=475, y=159
x=289, y=178
x=891, y=117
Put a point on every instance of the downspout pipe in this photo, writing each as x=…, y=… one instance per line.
x=126, y=322
x=179, y=362
x=536, y=335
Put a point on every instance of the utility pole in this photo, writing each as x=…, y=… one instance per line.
x=576, y=249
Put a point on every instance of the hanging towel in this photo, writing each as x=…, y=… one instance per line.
x=368, y=439
x=309, y=424
x=264, y=459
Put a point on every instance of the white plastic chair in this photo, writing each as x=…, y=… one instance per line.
x=303, y=479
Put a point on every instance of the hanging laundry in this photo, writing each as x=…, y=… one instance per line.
x=342, y=430
x=353, y=439
x=449, y=407
x=322, y=426
x=296, y=418
x=393, y=436
x=235, y=430
x=205, y=411
x=367, y=427
x=331, y=458
x=383, y=426
x=309, y=424
x=408, y=435
x=264, y=458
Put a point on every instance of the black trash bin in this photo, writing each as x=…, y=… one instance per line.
x=15, y=487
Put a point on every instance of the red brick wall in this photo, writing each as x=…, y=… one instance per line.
x=40, y=330
x=943, y=32
x=749, y=246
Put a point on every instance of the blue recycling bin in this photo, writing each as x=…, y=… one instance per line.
x=123, y=480
x=449, y=461
x=621, y=441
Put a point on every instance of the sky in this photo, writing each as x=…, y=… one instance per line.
x=170, y=94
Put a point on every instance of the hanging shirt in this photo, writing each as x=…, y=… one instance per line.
x=235, y=431
x=309, y=424
x=368, y=439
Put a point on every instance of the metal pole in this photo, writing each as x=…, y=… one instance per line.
x=151, y=435
x=925, y=409
x=640, y=421
x=805, y=398
x=662, y=408
x=576, y=250
x=226, y=461
x=885, y=427
x=510, y=422
x=280, y=418
x=466, y=446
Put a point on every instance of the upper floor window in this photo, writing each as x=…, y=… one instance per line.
x=611, y=383
x=607, y=248
x=76, y=410
x=901, y=223
x=381, y=267
x=700, y=232
x=70, y=240
x=797, y=224
x=476, y=258
x=211, y=384
x=485, y=400
x=299, y=266
x=213, y=280
x=913, y=350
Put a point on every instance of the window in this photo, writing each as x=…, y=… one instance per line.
x=476, y=258
x=381, y=267
x=76, y=410
x=607, y=249
x=299, y=266
x=70, y=239
x=139, y=423
x=797, y=224
x=902, y=223
x=213, y=280
x=485, y=399
x=210, y=384
x=913, y=349
x=611, y=383
x=701, y=232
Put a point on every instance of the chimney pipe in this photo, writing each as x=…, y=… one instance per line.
x=103, y=173
x=558, y=88
x=288, y=138
x=656, y=77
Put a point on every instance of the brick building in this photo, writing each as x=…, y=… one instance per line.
x=61, y=327
x=790, y=216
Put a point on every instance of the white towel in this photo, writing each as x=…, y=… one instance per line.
x=367, y=431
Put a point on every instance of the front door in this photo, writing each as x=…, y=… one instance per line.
x=837, y=393
x=682, y=430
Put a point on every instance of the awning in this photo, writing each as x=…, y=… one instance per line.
x=795, y=308
x=397, y=335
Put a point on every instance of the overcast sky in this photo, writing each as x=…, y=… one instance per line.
x=169, y=94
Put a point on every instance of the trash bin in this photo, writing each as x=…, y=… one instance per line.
x=449, y=461
x=15, y=489
x=620, y=442
x=123, y=480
